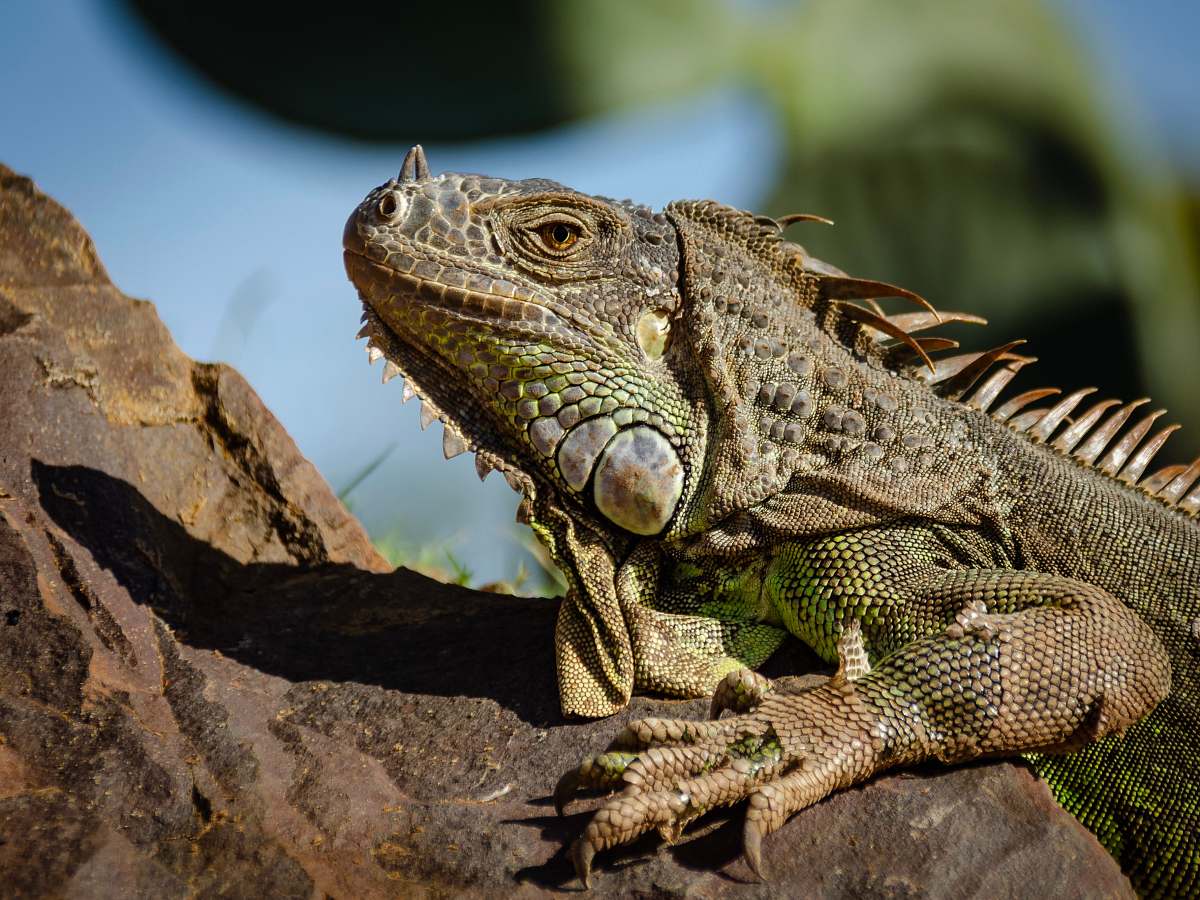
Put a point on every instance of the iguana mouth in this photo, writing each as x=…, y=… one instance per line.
x=422, y=372
x=476, y=297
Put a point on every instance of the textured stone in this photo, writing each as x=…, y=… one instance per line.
x=211, y=684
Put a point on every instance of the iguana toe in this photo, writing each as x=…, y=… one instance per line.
x=652, y=732
x=600, y=772
x=770, y=805
x=739, y=691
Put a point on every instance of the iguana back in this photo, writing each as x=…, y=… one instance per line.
x=1067, y=496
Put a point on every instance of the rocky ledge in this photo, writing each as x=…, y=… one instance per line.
x=211, y=684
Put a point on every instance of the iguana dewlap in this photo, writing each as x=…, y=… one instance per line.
x=723, y=441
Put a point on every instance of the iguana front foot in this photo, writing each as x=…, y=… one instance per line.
x=1068, y=665
x=783, y=755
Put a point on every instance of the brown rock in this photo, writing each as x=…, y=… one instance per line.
x=210, y=683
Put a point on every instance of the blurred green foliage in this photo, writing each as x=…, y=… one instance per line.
x=442, y=562
x=967, y=149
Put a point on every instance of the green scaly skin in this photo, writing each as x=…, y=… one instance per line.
x=719, y=449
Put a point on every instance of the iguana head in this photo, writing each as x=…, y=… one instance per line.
x=537, y=323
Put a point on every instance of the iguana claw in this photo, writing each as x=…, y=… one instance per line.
x=564, y=791
x=752, y=849
x=671, y=833
x=581, y=856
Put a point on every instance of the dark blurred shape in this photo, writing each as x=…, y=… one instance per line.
x=375, y=71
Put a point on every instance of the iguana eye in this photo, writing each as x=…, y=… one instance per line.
x=559, y=236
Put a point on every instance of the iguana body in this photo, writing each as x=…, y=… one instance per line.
x=718, y=449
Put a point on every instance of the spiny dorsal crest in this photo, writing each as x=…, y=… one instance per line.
x=849, y=310
x=781, y=345
x=1084, y=437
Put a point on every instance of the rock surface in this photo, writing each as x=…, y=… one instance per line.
x=211, y=684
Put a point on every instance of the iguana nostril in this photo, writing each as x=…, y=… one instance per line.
x=389, y=206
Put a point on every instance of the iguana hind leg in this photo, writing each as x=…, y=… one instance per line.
x=1030, y=662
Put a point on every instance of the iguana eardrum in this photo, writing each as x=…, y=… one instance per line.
x=722, y=440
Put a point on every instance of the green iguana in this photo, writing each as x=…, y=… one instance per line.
x=722, y=441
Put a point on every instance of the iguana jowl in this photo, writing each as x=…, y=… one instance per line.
x=722, y=440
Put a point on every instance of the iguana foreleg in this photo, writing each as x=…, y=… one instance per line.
x=1030, y=662
x=608, y=624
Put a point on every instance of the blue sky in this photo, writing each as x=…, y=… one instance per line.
x=1148, y=50
x=231, y=224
